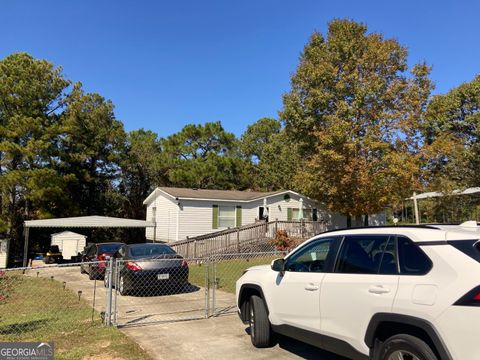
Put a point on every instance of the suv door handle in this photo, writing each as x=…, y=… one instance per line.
x=312, y=287
x=378, y=289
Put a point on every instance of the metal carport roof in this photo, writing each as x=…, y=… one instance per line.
x=88, y=222
x=81, y=222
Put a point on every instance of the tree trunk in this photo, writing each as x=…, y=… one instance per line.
x=365, y=220
x=349, y=221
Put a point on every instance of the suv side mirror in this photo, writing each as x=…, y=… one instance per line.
x=278, y=265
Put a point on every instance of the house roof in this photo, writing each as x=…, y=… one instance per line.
x=208, y=194
x=88, y=222
x=68, y=233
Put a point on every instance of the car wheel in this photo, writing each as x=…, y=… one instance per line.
x=405, y=347
x=122, y=289
x=260, y=330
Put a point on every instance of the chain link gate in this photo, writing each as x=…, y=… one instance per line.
x=158, y=290
x=226, y=269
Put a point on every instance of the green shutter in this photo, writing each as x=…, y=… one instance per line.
x=214, y=216
x=239, y=216
x=315, y=215
x=289, y=214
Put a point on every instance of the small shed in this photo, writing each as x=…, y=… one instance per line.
x=3, y=253
x=69, y=243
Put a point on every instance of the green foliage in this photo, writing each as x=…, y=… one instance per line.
x=32, y=95
x=257, y=137
x=91, y=144
x=204, y=156
x=353, y=111
x=451, y=128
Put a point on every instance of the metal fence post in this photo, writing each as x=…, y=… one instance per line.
x=108, y=308
x=116, y=292
x=207, y=289
x=214, y=287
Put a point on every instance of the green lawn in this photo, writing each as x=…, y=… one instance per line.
x=40, y=309
x=227, y=272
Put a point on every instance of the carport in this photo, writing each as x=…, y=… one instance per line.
x=81, y=222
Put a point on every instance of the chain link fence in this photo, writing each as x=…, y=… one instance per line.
x=226, y=270
x=159, y=290
x=48, y=301
x=38, y=301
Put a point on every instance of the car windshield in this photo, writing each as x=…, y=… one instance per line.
x=150, y=249
x=54, y=249
x=108, y=248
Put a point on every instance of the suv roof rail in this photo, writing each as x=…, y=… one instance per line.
x=422, y=226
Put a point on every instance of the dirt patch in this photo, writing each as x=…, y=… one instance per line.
x=105, y=356
x=103, y=344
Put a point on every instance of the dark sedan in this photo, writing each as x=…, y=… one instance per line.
x=95, y=257
x=149, y=267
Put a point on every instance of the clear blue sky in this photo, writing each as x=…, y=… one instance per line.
x=168, y=63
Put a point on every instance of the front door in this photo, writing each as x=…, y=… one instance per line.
x=263, y=213
x=296, y=293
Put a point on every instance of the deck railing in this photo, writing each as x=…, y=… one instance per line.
x=239, y=238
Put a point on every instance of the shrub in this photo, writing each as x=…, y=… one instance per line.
x=283, y=242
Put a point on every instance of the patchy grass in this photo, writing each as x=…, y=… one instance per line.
x=227, y=272
x=40, y=309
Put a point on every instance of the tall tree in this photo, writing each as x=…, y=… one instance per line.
x=257, y=136
x=90, y=147
x=451, y=128
x=353, y=110
x=278, y=164
x=32, y=93
x=204, y=156
x=142, y=170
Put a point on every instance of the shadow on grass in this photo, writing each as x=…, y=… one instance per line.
x=20, y=328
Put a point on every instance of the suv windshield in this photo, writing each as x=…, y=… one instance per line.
x=468, y=247
x=147, y=250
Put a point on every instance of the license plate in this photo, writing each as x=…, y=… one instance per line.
x=163, y=276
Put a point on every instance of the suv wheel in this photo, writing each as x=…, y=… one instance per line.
x=405, y=347
x=260, y=331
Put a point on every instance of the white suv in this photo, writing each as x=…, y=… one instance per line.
x=384, y=293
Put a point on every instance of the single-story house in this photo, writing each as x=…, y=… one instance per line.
x=180, y=213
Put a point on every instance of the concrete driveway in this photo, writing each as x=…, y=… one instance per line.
x=155, y=326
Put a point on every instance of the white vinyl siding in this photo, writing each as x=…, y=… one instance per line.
x=195, y=217
x=3, y=253
x=164, y=210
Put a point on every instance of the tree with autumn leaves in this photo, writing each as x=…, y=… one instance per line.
x=358, y=131
x=354, y=110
